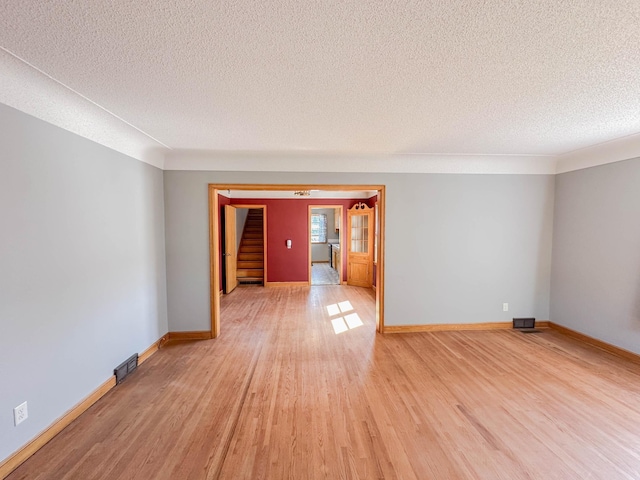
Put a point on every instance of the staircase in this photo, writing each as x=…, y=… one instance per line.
x=250, y=269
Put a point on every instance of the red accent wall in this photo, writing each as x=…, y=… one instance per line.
x=222, y=201
x=288, y=219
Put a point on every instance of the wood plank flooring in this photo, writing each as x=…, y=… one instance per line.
x=281, y=395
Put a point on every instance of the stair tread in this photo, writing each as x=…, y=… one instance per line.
x=250, y=264
x=251, y=249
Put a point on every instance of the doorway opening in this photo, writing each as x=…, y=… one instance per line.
x=216, y=239
x=243, y=246
x=325, y=252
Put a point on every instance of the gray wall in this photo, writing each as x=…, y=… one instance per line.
x=596, y=253
x=320, y=251
x=82, y=269
x=458, y=246
x=241, y=219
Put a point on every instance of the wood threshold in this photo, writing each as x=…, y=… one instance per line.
x=594, y=342
x=286, y=284
x=446, y=327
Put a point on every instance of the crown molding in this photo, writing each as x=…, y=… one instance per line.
x=28, y=89
x=620, y=149
x=346, y=163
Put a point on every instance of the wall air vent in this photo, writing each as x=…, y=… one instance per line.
x=125, y=368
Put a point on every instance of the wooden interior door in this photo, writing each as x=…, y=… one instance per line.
x=230, y=255
x=360, y=232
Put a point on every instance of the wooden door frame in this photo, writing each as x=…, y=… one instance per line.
x=214, y=243
x=370, y=243
x=264, y=235
x=314, y=207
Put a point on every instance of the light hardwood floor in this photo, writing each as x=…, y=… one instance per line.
x=281, y=395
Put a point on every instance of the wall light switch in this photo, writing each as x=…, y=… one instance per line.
x=505, y=307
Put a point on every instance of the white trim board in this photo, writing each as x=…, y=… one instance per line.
x=345, y=163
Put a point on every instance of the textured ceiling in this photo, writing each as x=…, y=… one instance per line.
x=361, y=76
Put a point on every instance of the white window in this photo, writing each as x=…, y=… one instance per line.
x=318, y=228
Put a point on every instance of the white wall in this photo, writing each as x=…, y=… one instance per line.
x=82, y=269
x=458, y=246
x=596, y=253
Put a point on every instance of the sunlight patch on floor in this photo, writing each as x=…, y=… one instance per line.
x=345, y=306
x=353, y=320
x=339, y=326
x=348, y=322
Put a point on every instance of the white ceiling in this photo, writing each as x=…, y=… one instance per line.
x=388, y=78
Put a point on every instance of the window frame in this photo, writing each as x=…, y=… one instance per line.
x=320, y=235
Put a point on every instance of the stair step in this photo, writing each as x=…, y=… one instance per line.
x=250, y=264
x=252, y=235
x=251, y=281
x=250, y=272
x=250, y=249
x=251, y=256
x=252, y=241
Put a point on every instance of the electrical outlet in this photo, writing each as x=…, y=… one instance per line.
x=20, y=414
x=505, y=307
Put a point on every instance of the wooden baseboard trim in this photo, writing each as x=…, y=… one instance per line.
x=447, y=327
x=286, y=284
x=14, y=461
x=155, y=346
x=194, y=335
x=594, y=342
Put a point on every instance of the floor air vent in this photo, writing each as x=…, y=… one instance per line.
x=125, y=368
x=525, y=325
